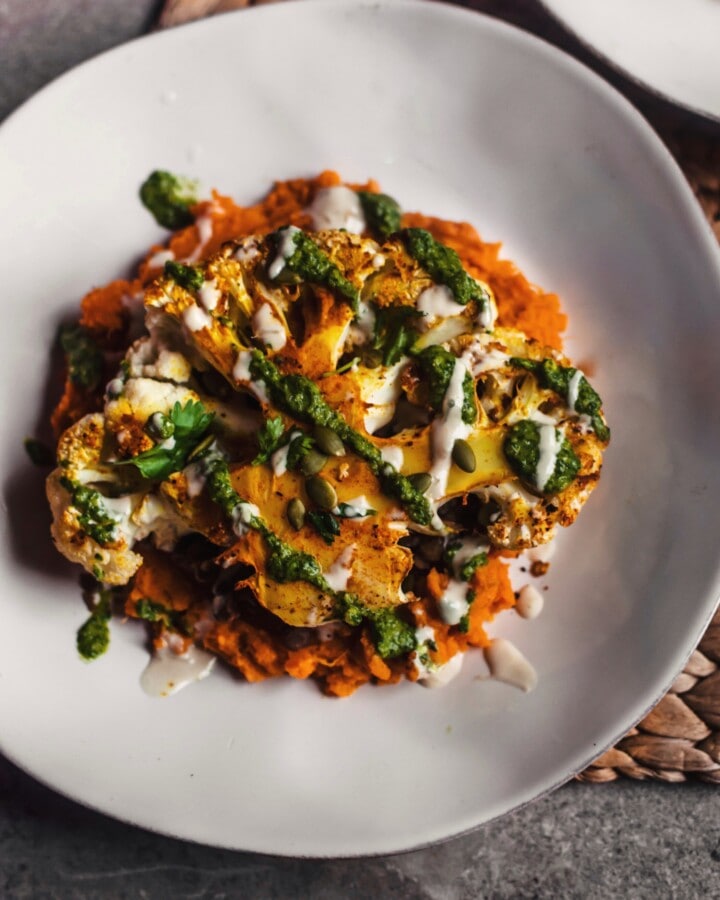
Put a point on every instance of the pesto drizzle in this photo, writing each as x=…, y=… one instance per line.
x=391, y=634
x=443, y=265
x=299, y=397
x=94, y=519
x=382, y=213
x=309, y=263
x=556, y=377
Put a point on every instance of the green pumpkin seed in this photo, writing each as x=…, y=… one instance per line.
x=421, y=481
x=328, y=441
x=296, y=513
x=201, y=447
x=312, y=462
x=463, y=456
x=321, y=492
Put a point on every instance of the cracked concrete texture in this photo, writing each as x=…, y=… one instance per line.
x=630, y=840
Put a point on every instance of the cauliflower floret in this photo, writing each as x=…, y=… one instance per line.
x=149, y=358
x=112, y=562
x=99, y=531
x=127, y=415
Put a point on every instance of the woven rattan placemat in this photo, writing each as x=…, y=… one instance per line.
x=679, y=739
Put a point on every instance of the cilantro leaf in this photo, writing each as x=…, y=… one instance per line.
x=394, y=332
x=270, y=439
x=191, y=422
x=325, y=524
x=298, y=450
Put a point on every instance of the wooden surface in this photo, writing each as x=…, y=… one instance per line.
x=679, y=740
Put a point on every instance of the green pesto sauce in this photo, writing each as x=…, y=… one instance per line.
x=522, y=449
x=168, y=198
x=299, y=397
x=391, y=635
x=93, y=637
x=382, y=213
x=309, y=263
x=443, y=265
x=438, y=365
x=557, y=378
x=94, y=518
x=154, y=612
x=84, y=357
x=189, y=277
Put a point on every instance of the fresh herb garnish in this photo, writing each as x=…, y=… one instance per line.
x=189, y=277
x=169, y=198
x=299, y=448
x=270, y=439
x=325, y=523
x=84, y=357
x=190, y=424
x=394, y=332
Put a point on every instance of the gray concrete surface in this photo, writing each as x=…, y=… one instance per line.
x=631, y=840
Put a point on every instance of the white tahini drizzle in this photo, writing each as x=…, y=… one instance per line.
x=354, y=509
x=446, y=429
x=438, y=301
x=529, y=602
x=158, y=260
x=338, y=575
x=337, y=207
x=453, y=604
x=507, y=663
x=393, y=455
x=286, y=248
x=204, y=225
x=278, y=460
x=550, y=443
x=268, y=328
x=431, y=675
x=195, y=319
x=241, y=372
x=574, y=389
x=242, y=515
x=168, y=672
x=209, y=294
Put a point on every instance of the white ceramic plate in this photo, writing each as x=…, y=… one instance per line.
x=468, y=118
x=669, y=46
